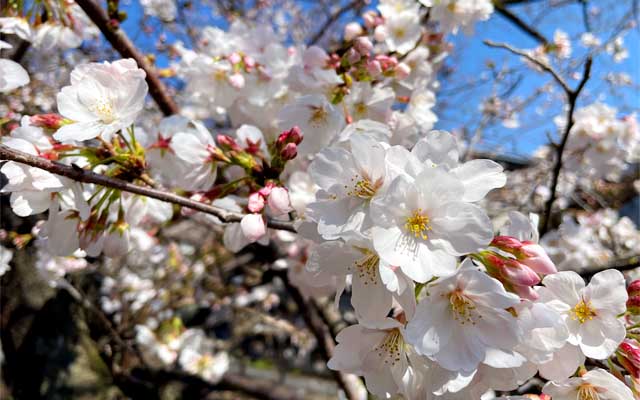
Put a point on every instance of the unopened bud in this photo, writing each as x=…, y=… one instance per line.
x=314, y=56
x=237, y=81
x=537, y=259
x=370, y=19
x=353, y=56
x=249, y=61
x=279, y=201
x=380, y=33
x=402, y=70
x=628, y=355
x=293, y=135
x=634, y=288
x=374, y=68
x=289, y=152
x=227, y=143
x=363, y=45
x=253, y=226
x=235, y=58
x=352, y=30
x=256, y=202
x=633, y=305
x=49, y=121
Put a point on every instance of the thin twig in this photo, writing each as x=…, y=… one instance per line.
x=502, y=10
x=309, y=310
x=572, y=96
x=123, y=45
x=544, y=66
x=81, y=175
x=332, y=19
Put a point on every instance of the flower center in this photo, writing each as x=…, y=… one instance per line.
x=203, y=363
x=104, y=110
x=318, y=117
x=367, y=267
x=362, y=187
x=463, y=308
x=399, y=33
x=418, y=224
x=360, y=109
x=588, y=392
x=583, y=312
x=391, y=347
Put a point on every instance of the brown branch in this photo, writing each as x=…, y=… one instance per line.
x=625, y=264
x=544, y=66
x=332, y=19
x=310, y=311
x=81, y=175
x=572, y=98
x=123, y=45
x=517, y=21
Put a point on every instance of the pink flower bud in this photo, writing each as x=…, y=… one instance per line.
x=526, y=292
x=374, y=68
x=293, y=135
x=628, y=355
x=314, y=56
x=537, y=259
x=266, y=190
x=506, y=243
x=353, y=56
x=380, y=33
x=289, y=152
x=370, y=19
x=256, y=202
x=227, y=143
x=278, y=201
x=235, y=58
x=249, y=61
x=253, y=226
x=49, y=121
x=363, y=45
x=519, y=274
x=634, y=288
x=633, y=305
x=352, y=30
x=237, y=81
x=402, y=71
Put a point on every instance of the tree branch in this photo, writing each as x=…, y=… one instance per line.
x=123, y=45
x=313, y=318
x=81, y=175
x=625, y=264
x=572, y=96
x=517, y=21
x=332, y=19
x=546, y=67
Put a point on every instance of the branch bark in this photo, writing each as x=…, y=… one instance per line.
x=313, y=318
x=332, y=19
x=572, y=98
x=81, y=175
x=123, y=45
x=517, y=21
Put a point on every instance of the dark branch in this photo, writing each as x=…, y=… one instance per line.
x=310, y=311
x=84, y=176
x=123, y=45
x=572, y=98
x=333, y=18
x=517, y=21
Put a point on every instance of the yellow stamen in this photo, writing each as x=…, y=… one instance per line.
x=583, y=312
x=418, y=224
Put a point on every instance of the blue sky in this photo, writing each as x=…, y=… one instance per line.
x=470, y=57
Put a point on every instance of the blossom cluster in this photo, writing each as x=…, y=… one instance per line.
x=383, y=209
